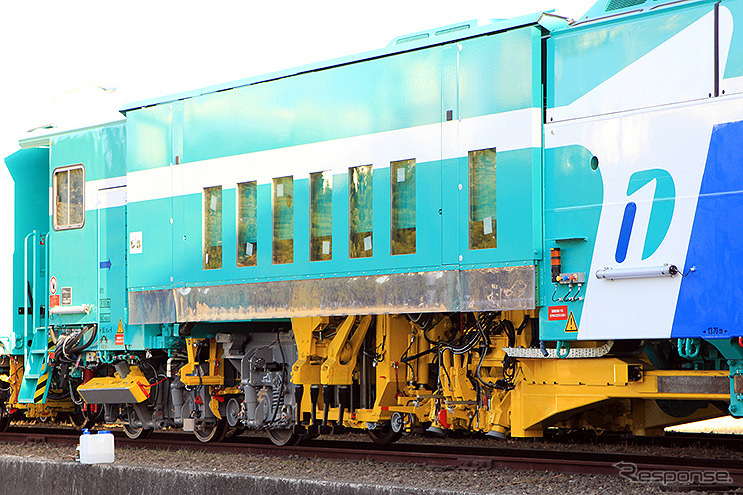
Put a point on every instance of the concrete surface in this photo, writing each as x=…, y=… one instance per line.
x=24, y=476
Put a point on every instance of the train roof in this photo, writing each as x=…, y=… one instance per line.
x=610, y=9
x=414, y=41
x=601, y=10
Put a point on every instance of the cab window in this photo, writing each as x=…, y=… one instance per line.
x=69, y=197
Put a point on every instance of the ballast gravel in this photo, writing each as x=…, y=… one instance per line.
x=496, y=481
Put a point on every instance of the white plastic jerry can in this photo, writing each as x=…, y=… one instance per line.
x=96, y=449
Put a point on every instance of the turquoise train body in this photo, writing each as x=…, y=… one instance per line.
x=588, y=172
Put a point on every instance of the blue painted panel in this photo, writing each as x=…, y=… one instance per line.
x=74, y=253
x=379, y=95
x=514, y=211
x=153, y=267
x=148, y=266
x=498, y=74
x=581, y=58
x=112, y=300
x=573, y=197
x=432, y=38
x=710, y=298
x=102, y=151
x=29, y=170
x=149, y=136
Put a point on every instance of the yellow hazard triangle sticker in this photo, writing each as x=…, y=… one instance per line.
x=571, y=326
x=119, y=339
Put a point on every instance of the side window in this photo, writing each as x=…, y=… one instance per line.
x=282, y=205
x=247, y=234
x=321, y=216
x=69, y=197
x=402, y=207
x=360, y=211
x=212, y=227
x=482, y=210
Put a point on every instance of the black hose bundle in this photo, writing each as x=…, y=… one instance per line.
x=67, y=349
x=68, y=346
x=471, y=337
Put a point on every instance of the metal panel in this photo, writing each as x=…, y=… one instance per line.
x=693, y=385
x=151, y=306
x=491, y=289
x=635, y=62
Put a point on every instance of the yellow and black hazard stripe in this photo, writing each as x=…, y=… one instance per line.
x=41, y=384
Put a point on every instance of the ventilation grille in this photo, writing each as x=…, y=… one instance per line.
x=622, y=4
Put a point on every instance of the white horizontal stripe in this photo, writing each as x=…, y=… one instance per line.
x=507, y=131
x=91, y=193
x=92, y=187
x=112, y=197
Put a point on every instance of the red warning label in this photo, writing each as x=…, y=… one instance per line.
x=557, y=313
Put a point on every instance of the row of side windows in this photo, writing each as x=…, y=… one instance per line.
x=403, y=187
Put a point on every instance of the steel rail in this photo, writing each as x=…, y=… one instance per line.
x=444, y=456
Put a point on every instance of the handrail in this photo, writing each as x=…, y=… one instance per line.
x=34, y=278
x=48, y=276
x=25, y=286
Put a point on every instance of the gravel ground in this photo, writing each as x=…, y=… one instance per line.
x=462, y=481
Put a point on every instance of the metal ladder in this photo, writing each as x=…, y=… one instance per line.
x=35, y=385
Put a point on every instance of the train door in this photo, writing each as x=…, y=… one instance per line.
x=179, y=235
x=112, y=246
x=491, y=150
x=451, y=188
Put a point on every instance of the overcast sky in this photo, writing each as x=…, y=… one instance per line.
x=56, y=54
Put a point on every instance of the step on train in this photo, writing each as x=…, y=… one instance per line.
x=509, y=227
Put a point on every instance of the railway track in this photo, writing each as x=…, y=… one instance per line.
x=687, y=472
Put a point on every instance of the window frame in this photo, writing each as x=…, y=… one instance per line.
x=282, y=252
x=66, y=169
x=251, y=260
x=211, y=192
x=475, y=197
x=313, y=238
x=397, y=243
x=354, y=249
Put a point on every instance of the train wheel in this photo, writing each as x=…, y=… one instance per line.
x=214, y=433
x=383, y=435
x=283, y=437
x=80, y=420
x=137, y=433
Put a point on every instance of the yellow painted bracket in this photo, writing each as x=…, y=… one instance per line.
x=343, y=352
x=114, y=390
x=191, y=377
x=304, y=370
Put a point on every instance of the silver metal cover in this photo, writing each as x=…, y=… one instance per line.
x=693, y=385
x=490, y=289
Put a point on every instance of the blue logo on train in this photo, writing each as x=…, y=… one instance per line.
x=661, y=213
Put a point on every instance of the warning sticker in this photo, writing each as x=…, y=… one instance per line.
x=66, y=296
x=571, y=326
x=557, y=313
x=135, y=242
x=54, y=301
x=119, y=340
